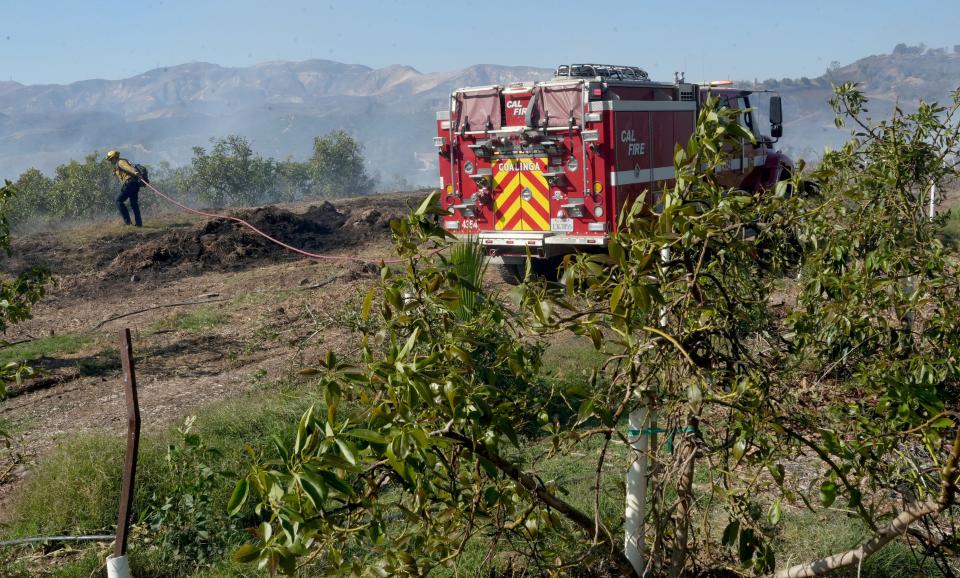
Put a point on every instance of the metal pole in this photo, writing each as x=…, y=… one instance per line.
x=133, y=443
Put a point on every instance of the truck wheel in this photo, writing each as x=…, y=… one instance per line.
x=810, y=188
x=548, y=268
x=512, y=274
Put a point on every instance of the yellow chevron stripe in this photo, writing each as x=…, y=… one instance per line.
x=539, y=179
x=511, y=211
x=538, y=195
x=506, y=200
x=501, y=222
x=504, y=196
x=538, y=175
x=507, y=204
x=541, y=191
x=512, y=187
x=538, y=219
x=500, y=176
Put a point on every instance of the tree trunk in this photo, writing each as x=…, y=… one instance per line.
x=688, y=454
x=897, y=527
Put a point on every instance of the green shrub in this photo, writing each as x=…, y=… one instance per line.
x=194, y=321
x=182, y=469
x=951, y=230
x=184, y=522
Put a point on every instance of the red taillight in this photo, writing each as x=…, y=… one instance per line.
x=597, y=92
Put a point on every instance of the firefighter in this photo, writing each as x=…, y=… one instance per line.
x=129, y=187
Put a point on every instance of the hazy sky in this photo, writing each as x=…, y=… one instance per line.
x=66, y=41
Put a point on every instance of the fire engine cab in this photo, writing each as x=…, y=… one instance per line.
x=544, y=166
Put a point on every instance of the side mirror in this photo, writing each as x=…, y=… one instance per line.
x=776, y=117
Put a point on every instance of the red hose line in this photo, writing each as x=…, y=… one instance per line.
x=264, y=235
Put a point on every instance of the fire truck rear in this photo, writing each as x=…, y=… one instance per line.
x=543, y=167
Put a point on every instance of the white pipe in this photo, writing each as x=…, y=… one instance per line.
x=664, y=258
x=117, y=567
x=639, y=435
x=636, y=490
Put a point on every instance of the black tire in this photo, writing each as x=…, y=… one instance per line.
x=548, y=269
x=512, y=274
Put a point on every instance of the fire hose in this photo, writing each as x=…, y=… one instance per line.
x=264, y=235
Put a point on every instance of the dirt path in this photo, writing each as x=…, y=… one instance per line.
x=256, y=309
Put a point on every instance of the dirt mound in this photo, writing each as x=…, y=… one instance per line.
x=224, y=244
x=93, y=259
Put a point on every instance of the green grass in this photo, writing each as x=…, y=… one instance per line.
x=951, y=231
x=196, y=321
x=101, y=363
x=49, y=346
x=75, y=490
x=571, y=356
x=84, y=471
x=8, y=427
x=83, y=477
x=806, y=536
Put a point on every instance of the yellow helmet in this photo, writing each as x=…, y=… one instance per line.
x=112, y=155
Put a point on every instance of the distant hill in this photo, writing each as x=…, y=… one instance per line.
x=905, y=76
x=281, y=106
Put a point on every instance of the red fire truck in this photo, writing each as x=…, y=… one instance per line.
x=544, y=166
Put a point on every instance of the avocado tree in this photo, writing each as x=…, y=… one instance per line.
x=231, y=173
x=877, y=320
x=851, y=378
x=680, y=305
x=835, y=394
x=337, y=168
x=33, y=201
x=83, y=190
x=18, y=293
x=414, y=453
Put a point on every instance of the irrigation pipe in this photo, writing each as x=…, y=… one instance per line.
x=47, y=539
x=181, y=304
x=12, y=343
x=186, y=303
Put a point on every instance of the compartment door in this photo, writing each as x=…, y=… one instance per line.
x=521, y=194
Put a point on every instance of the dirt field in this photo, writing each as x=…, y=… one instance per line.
x=213, y=309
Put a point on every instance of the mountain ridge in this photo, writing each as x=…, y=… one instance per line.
x=282, y=105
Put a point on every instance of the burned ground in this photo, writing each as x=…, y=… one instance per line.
x=222, y=243
x=214, y=308
x=179, y=248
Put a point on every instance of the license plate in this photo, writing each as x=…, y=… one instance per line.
x=562, y=225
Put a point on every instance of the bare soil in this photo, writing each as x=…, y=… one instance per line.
x=270, y=311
